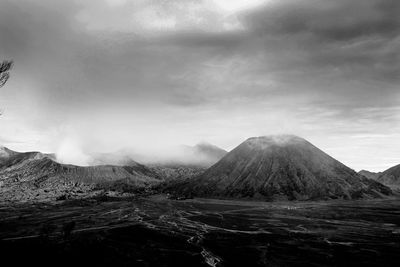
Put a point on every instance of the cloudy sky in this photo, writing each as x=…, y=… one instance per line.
x=107, y=74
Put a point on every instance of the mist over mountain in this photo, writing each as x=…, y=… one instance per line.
x=281, y=167
x=118, y=158
x=200, y=155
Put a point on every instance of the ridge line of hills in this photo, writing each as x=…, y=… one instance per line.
x=283, y=167
x=34, y=175
x=389, y=177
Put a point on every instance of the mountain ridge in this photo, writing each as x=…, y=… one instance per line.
x=391, y=177
x=23, y=175
x=370, y=175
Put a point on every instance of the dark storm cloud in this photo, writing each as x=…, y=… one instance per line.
x=289, y=41
x=72, y=66
x=338, y=20
x=338, y=49
x=360, y=36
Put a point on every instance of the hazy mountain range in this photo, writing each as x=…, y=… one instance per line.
x=281, y=167
x=33, y=175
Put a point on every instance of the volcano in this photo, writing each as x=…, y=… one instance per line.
x=26, y=175
x=283, y=167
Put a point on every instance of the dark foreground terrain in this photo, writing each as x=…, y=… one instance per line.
x=159, y=232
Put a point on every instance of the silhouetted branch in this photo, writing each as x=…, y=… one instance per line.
x=5, y=67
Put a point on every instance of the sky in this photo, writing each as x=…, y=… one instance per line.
x=104, y=75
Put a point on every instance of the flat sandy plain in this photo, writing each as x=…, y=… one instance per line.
x=155, y=231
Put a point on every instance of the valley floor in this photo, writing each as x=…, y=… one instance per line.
x=156, y=231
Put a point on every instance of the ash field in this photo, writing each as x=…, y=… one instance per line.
x=156, y=231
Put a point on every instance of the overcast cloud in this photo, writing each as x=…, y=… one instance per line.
x=94, y=76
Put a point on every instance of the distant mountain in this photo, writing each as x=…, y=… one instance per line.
x=391, y=177
x=280, y=167
x=24, y=175
x=190, y=161
x=118, y=159
x=209, y=150
x=370, y=175
x=6, y=154
x=203, y=154
x=167, y=171
x=198, y=156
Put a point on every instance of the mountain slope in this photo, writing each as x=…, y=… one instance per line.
x=280, y=167
x=391, y=177
x=32, y=173
x=370, y=175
